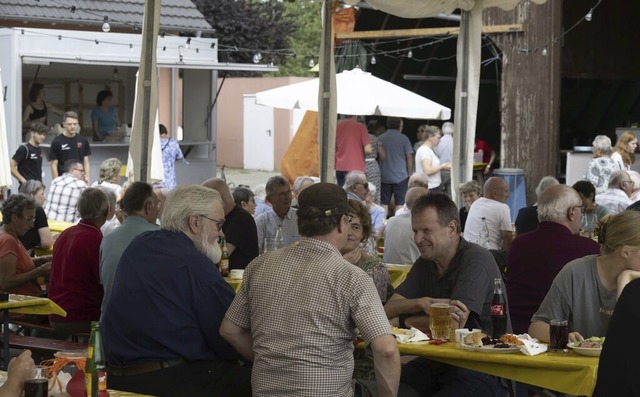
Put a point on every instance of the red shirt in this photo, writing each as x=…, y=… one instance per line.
x=10, y=245
x=74, y=283
x=486, y=150
x=351, y=138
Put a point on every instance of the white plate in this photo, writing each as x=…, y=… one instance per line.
x=491, y=349
x=585, y=351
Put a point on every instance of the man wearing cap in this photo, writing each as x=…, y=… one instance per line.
x=296, y=313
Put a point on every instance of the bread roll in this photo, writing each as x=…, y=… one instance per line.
x=474, y=339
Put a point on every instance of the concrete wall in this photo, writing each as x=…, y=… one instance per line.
x=230, y=112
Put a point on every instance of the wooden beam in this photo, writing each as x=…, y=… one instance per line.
x=386, y=34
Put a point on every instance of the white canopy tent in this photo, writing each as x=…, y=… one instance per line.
x=5, y=171
x=468, y=57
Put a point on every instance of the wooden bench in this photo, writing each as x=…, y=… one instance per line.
x=27, y=326
x=43, y=344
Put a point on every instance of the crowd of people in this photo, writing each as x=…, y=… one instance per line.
x=141, y=259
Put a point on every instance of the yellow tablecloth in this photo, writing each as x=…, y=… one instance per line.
x=398, y=273
x=563, y=372
x=235, y=283
x=58, y=226
x=31, y=305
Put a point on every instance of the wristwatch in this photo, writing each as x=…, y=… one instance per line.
x=402, y=320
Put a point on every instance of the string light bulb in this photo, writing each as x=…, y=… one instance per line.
x=256, y=57
x=410, y=54
x=544, y=52
x=373, y=60
x=115, y=74
x=188, y=43
x=312, y=62
x=589, y=15
x=105, y=26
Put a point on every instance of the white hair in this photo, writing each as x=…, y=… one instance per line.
x=545, y=183
x=555, y=202
x=447, y=128
x=184, y=202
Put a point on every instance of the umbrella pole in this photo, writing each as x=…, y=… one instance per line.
x=325, y=91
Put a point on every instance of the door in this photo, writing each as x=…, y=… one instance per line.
x=258, y=135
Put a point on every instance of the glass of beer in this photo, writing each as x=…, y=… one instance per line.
x=558, y=335
x=270, y=244
x=37, y=384
x=440, y=319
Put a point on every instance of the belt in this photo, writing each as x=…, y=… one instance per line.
x=143, y=368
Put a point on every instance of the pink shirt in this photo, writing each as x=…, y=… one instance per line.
x=10, y=245
x=351, y=137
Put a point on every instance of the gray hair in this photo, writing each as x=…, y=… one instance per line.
x=372, y=189
x=617, y=177
x=275, y=182
x=545, y=183
x=470, y=187
x=260, y=191
x=184, y=202
x=447, y=128
x=352, y=178
x=555, y=201
x=297, y=184
x=111, y=195
x=31, y=186
x=93, y=203
x=110, y=170
x=16, y=204
x=603, y=144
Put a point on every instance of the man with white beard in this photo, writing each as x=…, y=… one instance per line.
x=160, y=326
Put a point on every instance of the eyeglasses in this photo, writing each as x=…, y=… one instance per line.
x=583, y=208
x=28, y=219
x=349, y=217
x=218, y=222
x=364, y=184
x=78, y=169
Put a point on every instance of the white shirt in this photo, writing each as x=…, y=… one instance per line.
x=615, y=200
x=444, y=150
x=498, y=218
x=617, y=157
x=425, y=152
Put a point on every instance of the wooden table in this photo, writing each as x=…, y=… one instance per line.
x=24, y=305
x=564, y=372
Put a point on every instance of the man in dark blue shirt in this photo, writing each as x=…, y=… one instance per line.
x=167, y=303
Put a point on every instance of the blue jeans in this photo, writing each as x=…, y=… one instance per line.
x=431, y=378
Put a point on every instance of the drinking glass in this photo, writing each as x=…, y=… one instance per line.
x=440, y=319
x=270, y=244
x=558, y=335
x=37, y=384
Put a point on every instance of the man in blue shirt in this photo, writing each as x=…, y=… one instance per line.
x=167, y=303
x=396, y=162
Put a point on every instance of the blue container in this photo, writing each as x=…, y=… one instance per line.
x=517, y=189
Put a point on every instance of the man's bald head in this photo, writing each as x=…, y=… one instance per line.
x=496, y=189
x=413, y=194
x=220, y=186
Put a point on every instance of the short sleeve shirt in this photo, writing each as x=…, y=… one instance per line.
x=64, y=148
x=240, y=230
x=9, y=245
x=29, y=160
x=31, y=238
x=423, y=153
x=393, y=169
x=351, y=137
x=497, y=215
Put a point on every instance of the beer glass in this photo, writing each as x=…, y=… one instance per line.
x=270, y=244
x=440, y=319
x=37, y=384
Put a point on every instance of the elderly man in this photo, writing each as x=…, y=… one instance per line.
x=74, y=283
x=64, y=193
x=356, y=185
x=281, y=216
x=140, y=206
x=535, y=258
x=399, y=246
x=325, y=296
x=616, y=197
x=497, y=217
x=239, y=227
x=167, y=303
x=352, y=145
x=448, y=267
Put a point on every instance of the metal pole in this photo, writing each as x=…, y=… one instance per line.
x=326, y=90
x=464, y=94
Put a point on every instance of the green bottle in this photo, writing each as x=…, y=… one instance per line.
x=96, y=365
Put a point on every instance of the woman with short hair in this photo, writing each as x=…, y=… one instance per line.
x=602, y=166
x=428, y=163
x=39, y=235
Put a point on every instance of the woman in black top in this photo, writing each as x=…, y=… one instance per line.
x=39, y=235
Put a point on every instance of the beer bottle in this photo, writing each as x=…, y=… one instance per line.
x=224, y=260
x=96, y=365
x=498, y=311
x=485, y=237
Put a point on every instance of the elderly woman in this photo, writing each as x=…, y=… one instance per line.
x=624, y=152
x=18, y=271
x=602, y=166
x=110, y=176
x=586, y=289
x=301, y=183
x=527, y=219
x=359, y=231
x=470, y=192
x=244, y=198
x=428, y=163
x=39, y=235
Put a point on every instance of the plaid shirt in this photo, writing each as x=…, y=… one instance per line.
x=302, y=305
x=63, y=196
x=615, y=200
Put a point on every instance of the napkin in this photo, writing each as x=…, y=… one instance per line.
x=414, y=335
x=531, y=346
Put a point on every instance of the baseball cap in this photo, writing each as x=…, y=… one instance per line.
x=330, y=198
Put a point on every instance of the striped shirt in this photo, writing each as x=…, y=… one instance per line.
x=302, y=305
x=269, y=222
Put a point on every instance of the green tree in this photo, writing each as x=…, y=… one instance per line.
x=305, y=40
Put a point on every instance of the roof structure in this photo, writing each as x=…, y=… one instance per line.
x=123, y=15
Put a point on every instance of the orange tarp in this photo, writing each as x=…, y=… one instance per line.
x=301, y=157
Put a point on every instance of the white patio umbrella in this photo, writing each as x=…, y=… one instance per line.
x=358, y=93
x=5, y=171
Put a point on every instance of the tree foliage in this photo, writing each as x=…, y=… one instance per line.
x=305, y=40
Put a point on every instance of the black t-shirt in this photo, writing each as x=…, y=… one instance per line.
x=64, y=148
x=29, y=159
x=240, y=230
x=31, y=238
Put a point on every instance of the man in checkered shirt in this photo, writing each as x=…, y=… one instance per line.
x=297, y=311
x=64, y=193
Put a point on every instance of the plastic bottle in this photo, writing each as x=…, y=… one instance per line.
x=498, y=311
x=96, y=367
x=485, y=240
x=279, y=237
x=224, y=259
